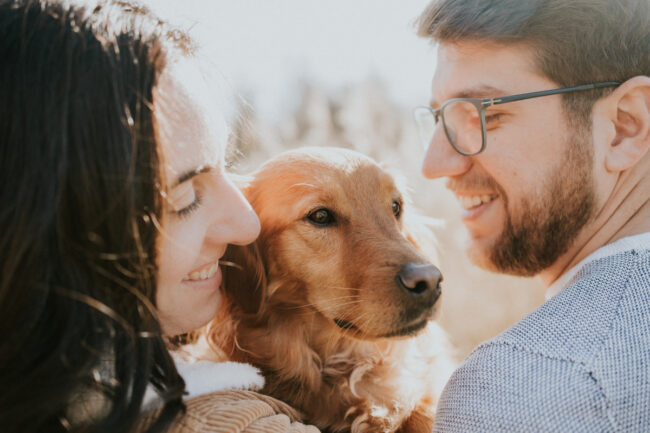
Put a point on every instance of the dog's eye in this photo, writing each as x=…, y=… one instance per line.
x=397, y=208
x=321, y=217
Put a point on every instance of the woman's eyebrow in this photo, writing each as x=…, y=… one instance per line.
x=185, y=176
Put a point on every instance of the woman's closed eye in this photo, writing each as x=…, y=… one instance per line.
x=187, y=210
x=184, y=199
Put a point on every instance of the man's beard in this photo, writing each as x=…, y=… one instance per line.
x=546, y=227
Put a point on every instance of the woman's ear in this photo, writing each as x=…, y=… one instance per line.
x=244, y=277
x=629, y=112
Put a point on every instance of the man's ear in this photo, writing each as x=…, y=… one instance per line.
x=244, y=277
x=629, y=112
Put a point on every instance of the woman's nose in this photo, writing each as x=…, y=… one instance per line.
x=238, y=223
x=441, y=159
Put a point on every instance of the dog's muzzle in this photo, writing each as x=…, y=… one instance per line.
x=420, y=280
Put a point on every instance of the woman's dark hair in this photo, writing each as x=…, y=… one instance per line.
x=78, y=202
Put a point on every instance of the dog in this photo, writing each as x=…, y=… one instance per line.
x=334, y=301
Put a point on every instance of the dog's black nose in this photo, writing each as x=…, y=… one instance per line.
x=420, y=278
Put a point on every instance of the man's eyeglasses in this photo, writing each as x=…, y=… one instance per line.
x=464, y=119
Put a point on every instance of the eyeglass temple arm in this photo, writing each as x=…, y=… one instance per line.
x=520, y=97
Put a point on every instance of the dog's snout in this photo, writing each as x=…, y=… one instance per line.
x=420, y=278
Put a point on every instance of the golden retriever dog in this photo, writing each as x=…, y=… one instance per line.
x=334, y=302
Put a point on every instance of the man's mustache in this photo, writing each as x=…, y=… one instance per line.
x=471, y=182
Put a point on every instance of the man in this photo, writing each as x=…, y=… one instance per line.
x=555, y=184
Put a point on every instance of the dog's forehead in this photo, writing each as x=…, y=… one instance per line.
x=299, y=180
x=338, y=183
x=323, y=167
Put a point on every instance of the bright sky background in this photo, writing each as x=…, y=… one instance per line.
x=267, y=48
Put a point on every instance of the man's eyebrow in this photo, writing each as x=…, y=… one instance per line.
x=482, y=91
x=189, y=174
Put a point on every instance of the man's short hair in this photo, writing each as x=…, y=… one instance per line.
x=575, y=41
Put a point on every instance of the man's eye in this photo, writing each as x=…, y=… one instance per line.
x=322, y=217
x=492, y=119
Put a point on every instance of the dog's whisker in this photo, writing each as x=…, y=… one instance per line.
x=356, y=289
x=364, y=319
x=322, y=310
x=341, y=301
x=310, y=308
x=326, y=302
x=337, y=306
x=340, y=304
x=356, y=323
x=338, y=297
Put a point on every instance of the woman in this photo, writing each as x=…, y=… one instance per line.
x=115, y=210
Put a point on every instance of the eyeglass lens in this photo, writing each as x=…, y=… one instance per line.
x=462, y=125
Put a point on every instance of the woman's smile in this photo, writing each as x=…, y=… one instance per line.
x=209, y=278
x=203, y=273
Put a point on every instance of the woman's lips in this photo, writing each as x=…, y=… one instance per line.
x=208, y=277
x=210, y=283
x=203, y=274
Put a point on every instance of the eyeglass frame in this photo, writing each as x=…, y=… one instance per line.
x=482, y=104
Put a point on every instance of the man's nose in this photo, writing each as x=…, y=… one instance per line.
x=441, y=159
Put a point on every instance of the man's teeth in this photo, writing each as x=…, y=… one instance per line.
x=203, y=274
x=469, y=202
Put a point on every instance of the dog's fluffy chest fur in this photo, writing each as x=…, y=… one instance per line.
x=343, y=384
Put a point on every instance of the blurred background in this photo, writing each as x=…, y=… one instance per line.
x=347, y=73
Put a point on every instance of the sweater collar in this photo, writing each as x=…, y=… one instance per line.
x=636, y=242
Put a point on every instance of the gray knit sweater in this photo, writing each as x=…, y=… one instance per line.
x=579, y=363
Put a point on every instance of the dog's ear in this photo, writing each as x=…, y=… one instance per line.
x=244, y=277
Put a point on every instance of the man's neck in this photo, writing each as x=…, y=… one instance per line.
x=626, y=213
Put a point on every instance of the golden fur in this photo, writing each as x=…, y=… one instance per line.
x=287, y=292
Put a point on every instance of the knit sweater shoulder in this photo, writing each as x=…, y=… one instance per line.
x=579, y=363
